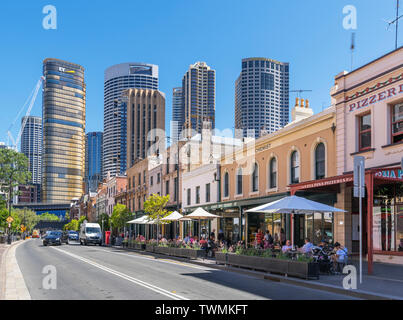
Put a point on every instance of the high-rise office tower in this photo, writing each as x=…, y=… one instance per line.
x=178, y=114
x=93, y=160
x=63, y=115
x=262, y=96
x=198, y=87
x=145, y=115
x=31, y=146
x=119, y=78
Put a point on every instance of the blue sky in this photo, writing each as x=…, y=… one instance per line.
x=176, y=33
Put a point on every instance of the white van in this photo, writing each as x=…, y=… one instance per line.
x=90, y=233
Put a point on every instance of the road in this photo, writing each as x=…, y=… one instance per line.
x=98, y=273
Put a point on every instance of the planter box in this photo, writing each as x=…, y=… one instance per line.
x=221, y=258
x=298, y=269
x=194, y=254
x=161, y=250
x=303, y=270
x=139, y=246
x=150, y=248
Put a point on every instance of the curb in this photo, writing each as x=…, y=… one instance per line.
x=367, y=295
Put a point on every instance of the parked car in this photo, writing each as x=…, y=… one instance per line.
x=72, y=236
x=90, y=233
x=53, y=238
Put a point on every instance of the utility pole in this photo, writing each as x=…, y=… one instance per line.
x=397, y=22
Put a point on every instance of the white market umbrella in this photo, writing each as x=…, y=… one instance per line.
x=294, y=205
x=142, y=220
x=200, y=214
x=174, y=216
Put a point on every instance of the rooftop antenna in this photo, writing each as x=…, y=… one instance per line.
x=300, y=91
x=352, y=48
x=395, y=21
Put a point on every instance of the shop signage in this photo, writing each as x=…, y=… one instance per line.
x=396, y=174
x=326, y=183
x=384, y=95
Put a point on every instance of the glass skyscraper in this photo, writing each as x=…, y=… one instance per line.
x=198, y=87
x=262, y=97
x=93, y=161
x=119, y=78
x=63, y=115
x=178, y=114
x=31, y=146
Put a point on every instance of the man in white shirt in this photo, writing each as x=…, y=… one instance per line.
x=307, y=246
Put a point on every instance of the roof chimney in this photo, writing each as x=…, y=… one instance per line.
x=301, y=110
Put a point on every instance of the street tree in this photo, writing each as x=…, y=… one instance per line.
x=13, y=172
x=48, y=217
x=28, y=218
x=120, y=216
x=155, y=209
x=104, y=220
x=81, y=221
x=72, y=225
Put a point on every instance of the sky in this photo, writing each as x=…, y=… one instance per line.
x=177, y=33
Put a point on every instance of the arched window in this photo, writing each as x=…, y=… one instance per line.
x=273, y=173
x=295, y=165
x=239, y=181
x=255, y=178
x=320, y=161
x=226, y=185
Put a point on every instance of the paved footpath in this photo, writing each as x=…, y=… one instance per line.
x=11, y=279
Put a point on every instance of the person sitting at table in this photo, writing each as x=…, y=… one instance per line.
x=287, y=247
x=340, y=257
x=307, y=248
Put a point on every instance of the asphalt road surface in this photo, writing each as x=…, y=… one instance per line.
x=98, y=273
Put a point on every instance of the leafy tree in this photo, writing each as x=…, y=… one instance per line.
x=72, y=225
x=155, y=209
x=106, y=221
x=28, y=218
x=81, y=221
x=48, y=217
x=13, y=172
x=67, y=216
x=120, y=216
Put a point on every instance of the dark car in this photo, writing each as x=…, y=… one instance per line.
x=72, y=236
x=53, y=238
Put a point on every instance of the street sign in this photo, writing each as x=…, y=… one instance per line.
x=10, y=220
x=359, y=176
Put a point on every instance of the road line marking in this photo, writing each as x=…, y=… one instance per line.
x=162, y=260
x=124, y=276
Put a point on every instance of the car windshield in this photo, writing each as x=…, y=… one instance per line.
x=93, y=230
x=73, y=233
x=54, y=233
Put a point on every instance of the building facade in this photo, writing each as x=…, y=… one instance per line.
x=265, y=170
x=93, y=161
x=119, y=78
x=63, y=159
x=114, y=186
x=145, y=123
x=198, y=86
x=261, y=97
x=31, y=146
x=369, y=106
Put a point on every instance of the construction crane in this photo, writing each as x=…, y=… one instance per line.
x=300, y=91
x=31, y=99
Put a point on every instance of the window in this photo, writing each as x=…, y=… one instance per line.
x=144, y=176
x=397, y=123
x=239, y=181
x=273, y=173
x=226, y=185
x=158, y=178
x=295, y=167
x=320, y=161
x=151, y=180
x=255, y=178
x=175, y=187
x=365, y=132
x=189, y=191
x=208, y=192
x=167, y=187
x=197, y=195
x=167, y=165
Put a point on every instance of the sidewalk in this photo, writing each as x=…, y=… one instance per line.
x=386, y=283
x=12, y=282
